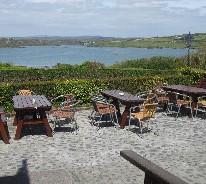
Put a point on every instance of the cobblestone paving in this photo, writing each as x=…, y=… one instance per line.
x=92, y=156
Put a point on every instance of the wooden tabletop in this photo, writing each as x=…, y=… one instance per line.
x=30, y=102
x=190, y=90
x=123, y=96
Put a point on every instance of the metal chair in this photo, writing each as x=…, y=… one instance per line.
x=102, y=108
x=94, y=98
x=143, y=113
x=178, y=100
x=60, y=100
x=201, y=83
x=201, y=104
x=65, y=114
x=162, y=95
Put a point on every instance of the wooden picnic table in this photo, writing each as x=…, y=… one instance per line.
x=124, y=98
x=192, y=91
x=34, y=107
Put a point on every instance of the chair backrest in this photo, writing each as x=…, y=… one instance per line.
x=150, y=110
x=69, y=100
x=25, y=92
x=94, y=103
x=151, y=98
x=69, y=97
x=159, y=84
x=102, y=107
x=172, y=97
x=201, y=83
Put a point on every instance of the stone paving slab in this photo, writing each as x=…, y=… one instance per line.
x=92, y=156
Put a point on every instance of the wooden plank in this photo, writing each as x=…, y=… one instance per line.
x=152, y=171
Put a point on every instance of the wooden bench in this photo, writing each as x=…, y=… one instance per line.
x=3, y=126
x=153, y=173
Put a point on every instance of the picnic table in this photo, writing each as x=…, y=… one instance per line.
x=124, y=98
x=34, y=107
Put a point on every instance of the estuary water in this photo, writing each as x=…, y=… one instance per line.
x=40, y=56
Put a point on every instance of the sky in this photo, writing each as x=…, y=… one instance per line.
x=109, y=18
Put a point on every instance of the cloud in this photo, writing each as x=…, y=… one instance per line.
x=103, y=17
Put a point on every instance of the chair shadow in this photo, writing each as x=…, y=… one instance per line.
x=104, y=122
x=201, y=115
x=22, y=176
x=64, y=126
x=38, y=129
x=135, y=127
x=184, y=111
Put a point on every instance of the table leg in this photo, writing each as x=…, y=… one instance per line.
x=3, y=133
x=48, y=128
x=124, y=118
x=194, y=104
x=46, y=123
x=15, y=121
x=115, y=102
x=18, y=130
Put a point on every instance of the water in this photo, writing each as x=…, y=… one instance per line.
x=39, y=56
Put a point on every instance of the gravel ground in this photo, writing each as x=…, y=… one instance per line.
x=93, y=156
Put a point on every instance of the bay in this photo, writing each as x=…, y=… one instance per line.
x=40, y=56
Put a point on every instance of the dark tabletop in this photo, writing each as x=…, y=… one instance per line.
x=122, y=96
x=31, y=102
x=190, y=90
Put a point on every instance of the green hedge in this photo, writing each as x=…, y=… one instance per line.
x=194, y=74
x=82, y=88
x=26, y=75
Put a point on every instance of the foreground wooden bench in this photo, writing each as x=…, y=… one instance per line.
x=153, y=173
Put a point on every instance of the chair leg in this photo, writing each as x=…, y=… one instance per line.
x=75, y=125
x=91, y=115
x=112, y=119
x=179, y=107
x=98, y=123
x=55, y=124
x=169, y=108
x=130, y=117
x=140, y=126
x=156, y=127
x=117, y=123
x=196, y=110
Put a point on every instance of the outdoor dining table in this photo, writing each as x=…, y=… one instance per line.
x=34, y=107
x=124, y=98
x=192, y=91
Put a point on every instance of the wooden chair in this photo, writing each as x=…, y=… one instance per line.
x=143, y=113
x=3, y=126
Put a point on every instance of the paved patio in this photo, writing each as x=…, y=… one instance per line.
x=93, y=157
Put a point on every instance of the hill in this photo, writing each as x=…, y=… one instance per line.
x=176, y=41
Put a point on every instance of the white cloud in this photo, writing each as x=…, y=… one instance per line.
x=103, y=17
